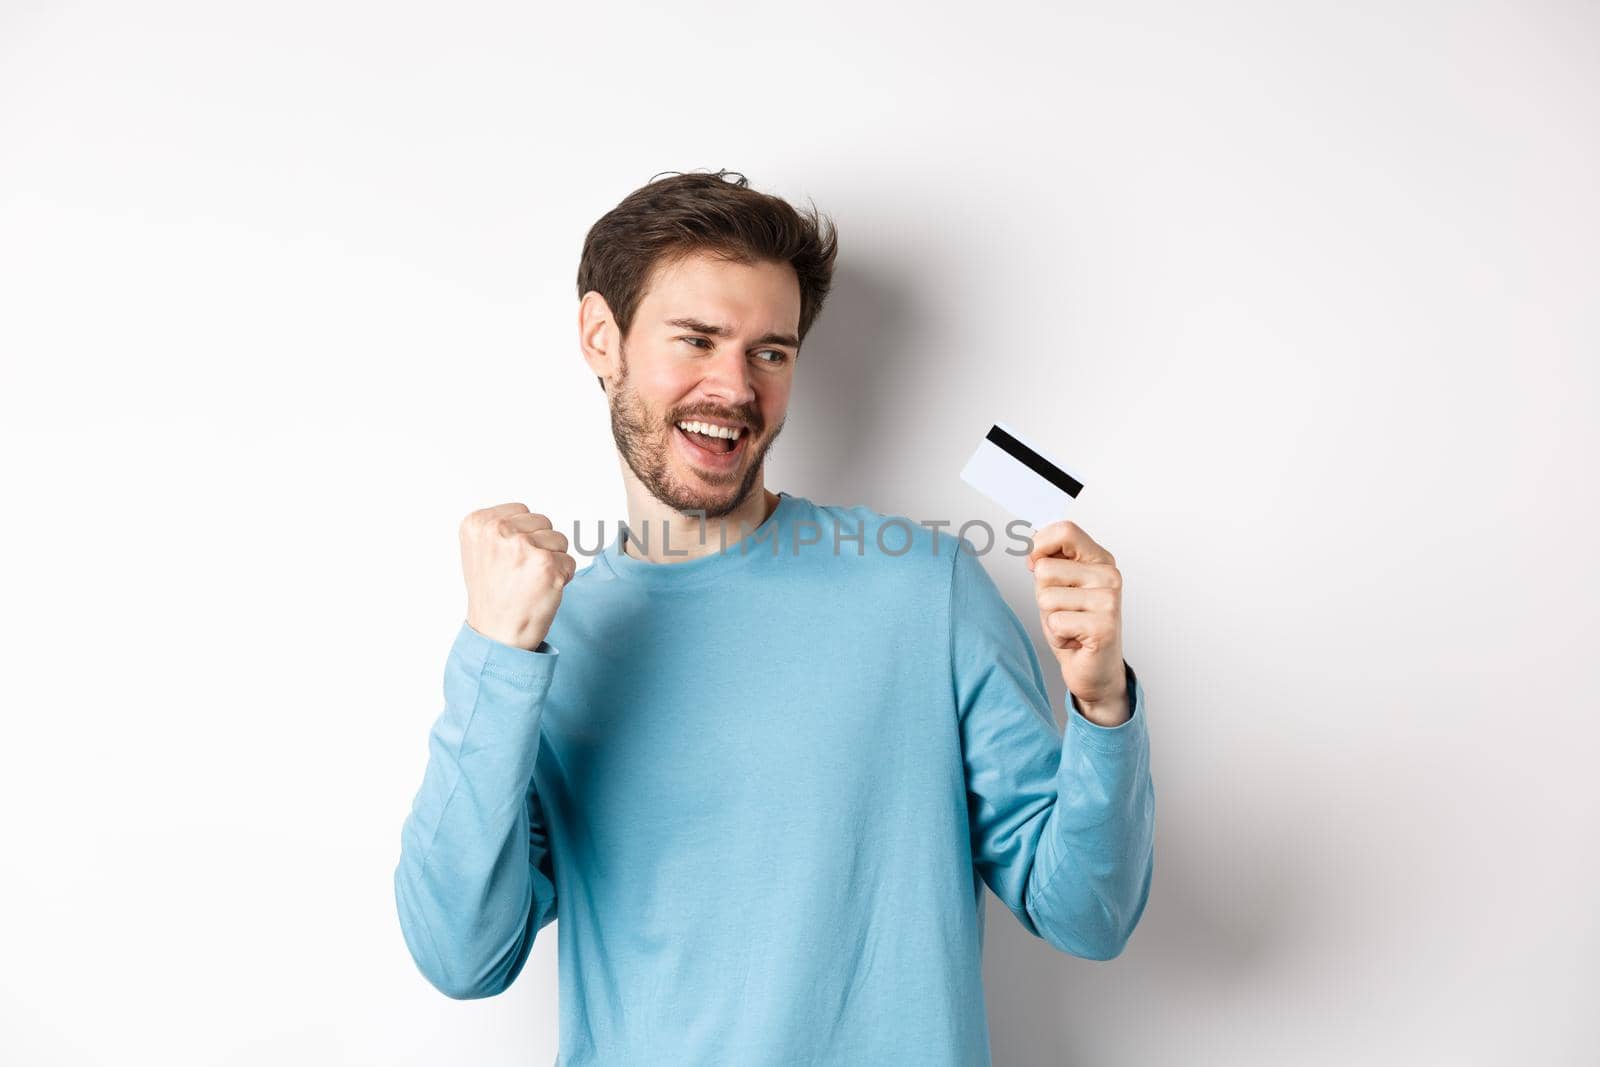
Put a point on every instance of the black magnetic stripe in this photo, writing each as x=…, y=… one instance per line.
x=1035, y=462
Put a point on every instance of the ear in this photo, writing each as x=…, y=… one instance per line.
x=597, y=335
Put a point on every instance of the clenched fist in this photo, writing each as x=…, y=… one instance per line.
x=1079, y=590
x=516, y=566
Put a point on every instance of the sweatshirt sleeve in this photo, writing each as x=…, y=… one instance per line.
x=474, y=883
x=1063, y=823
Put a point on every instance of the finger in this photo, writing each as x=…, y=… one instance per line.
x=1066, y=538
x=1071, y=598
x=554, y=540
x=1053, y=570
x=1091, y=628
x=503, y=509
x=527, y=522
x=565, y=566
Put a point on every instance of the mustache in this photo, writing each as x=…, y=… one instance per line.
x=750, y=421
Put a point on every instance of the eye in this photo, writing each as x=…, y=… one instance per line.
x=693, y=339
x=782, y=356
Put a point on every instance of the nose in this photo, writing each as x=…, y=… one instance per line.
x=728, y=379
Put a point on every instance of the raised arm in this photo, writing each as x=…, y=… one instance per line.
x=474, y=883
x=1062, y=823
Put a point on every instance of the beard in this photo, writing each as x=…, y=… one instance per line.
x=642, y=439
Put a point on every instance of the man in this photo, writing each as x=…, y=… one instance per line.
x=760, y=755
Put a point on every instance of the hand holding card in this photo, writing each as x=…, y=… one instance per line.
x=1079, y=589
x=1076, y=581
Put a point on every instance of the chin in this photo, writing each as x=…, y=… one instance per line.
x=716, y=501
x=693, y=491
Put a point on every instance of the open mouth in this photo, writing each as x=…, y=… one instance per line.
x=712, y=443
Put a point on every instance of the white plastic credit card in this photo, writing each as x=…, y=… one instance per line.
x=1020, y=478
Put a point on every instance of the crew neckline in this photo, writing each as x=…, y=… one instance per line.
x=717, y=563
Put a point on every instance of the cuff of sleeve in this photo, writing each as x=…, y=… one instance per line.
x=1128, y=732
x=531, y=668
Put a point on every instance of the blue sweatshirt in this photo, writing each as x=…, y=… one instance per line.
x=763, y=790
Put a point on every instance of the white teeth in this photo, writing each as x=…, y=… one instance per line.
x=730, y=432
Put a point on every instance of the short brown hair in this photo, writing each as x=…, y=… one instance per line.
x=663, y=221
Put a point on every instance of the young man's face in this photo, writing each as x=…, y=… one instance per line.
x=713, y=342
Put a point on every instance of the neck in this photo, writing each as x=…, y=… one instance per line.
x=658, y=534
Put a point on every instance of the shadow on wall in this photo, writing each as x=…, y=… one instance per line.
x=1191, y=947
x=848, y=400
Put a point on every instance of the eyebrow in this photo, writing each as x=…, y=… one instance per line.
x=785, y=339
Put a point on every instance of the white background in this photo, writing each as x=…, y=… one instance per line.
x=1309, y=292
